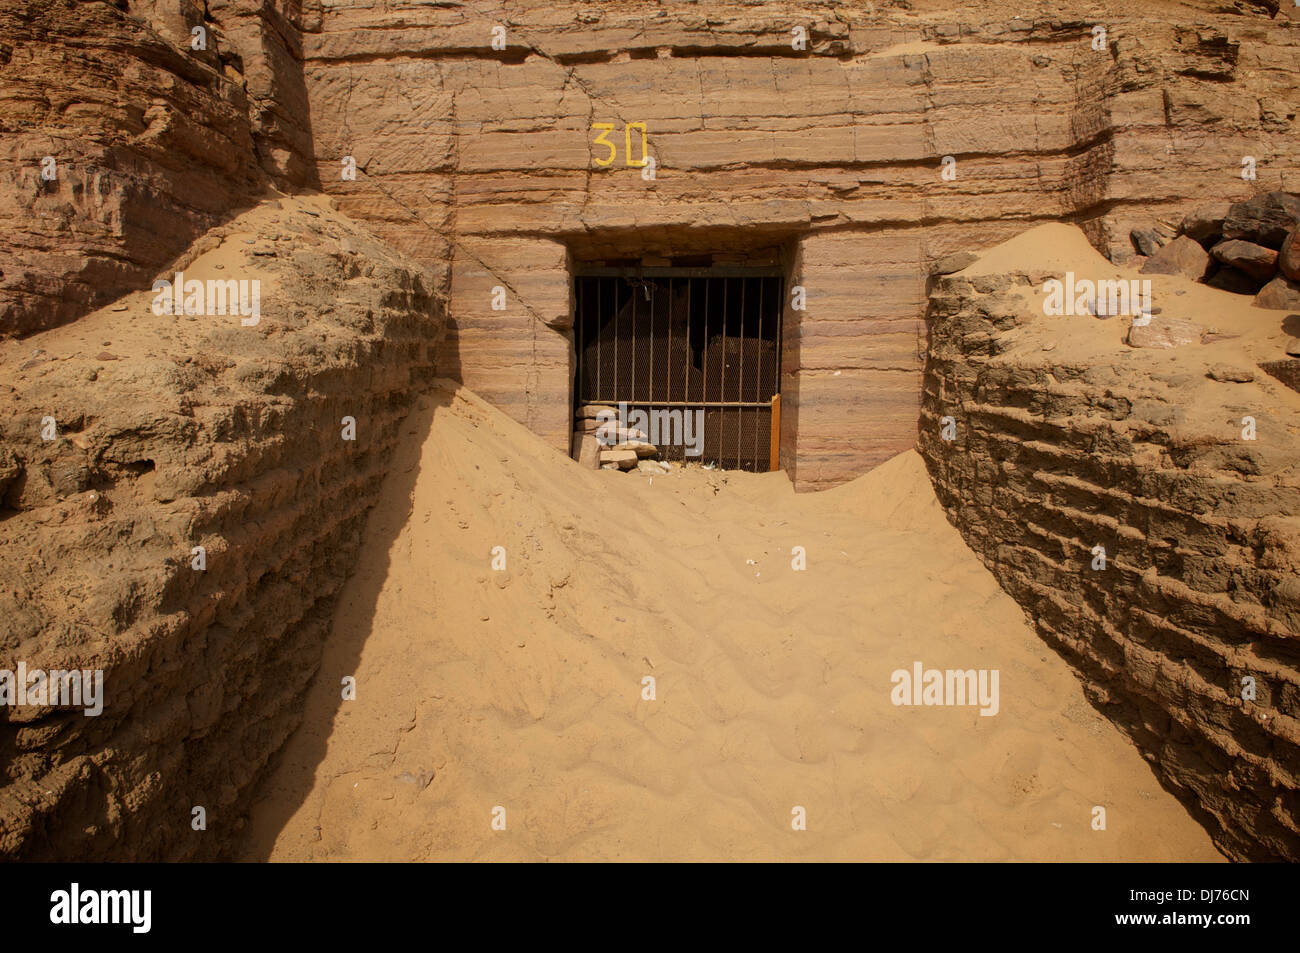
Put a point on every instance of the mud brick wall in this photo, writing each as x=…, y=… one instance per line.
x=212, y=434
x=1201, y=535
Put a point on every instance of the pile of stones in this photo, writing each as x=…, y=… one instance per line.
x=1250, y=247
x=601, y=441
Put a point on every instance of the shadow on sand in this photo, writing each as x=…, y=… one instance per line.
x=291, y=773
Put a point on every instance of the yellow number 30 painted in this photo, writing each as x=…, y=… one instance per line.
x=605, y=129
x=602, y=140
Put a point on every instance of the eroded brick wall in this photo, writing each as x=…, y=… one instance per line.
x=1053, y=457
x=185, y=432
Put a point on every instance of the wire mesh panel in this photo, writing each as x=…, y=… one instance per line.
x=679, y=342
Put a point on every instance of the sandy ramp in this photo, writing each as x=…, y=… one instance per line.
x=523, y=689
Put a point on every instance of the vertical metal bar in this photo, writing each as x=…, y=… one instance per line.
x=632, y=341
x=704, y=346
x=592, y=303
x=615, y=311
x=686, y=328
x=707, y=352
x=780, y=328
x=722, y=385
x=692, y=313
x=600, y=321
x=702, y=284
x=668, y=361
x=621, y=386
x=592, y=375
x=645, y=342
x=758, y=372
x=644, y=337
x=722, y=339
x=691, y=285
x=580, y=333
x=740, y=379
x=579, y=328
x=600, y=317
x=612, y=318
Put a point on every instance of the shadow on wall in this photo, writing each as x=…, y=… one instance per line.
x=449, y=363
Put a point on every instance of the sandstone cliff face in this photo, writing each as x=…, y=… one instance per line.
x=479, y=166
x=121, y=144
x=492, y=152
x=176, y=432
x=1064, y=439
x=459, y=145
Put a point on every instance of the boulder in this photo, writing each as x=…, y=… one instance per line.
x=953, y=263
x=1162, y=332
x=1254, y=260
x=612, y=435
x=623, y=459
x=1264, y=219
x=1182, y=256
x=589, y=452
x=1146, y=241
x=1206, y=222
x=1166, y=230
x=1228, y=278
x=1230, y=374
x=1279, y=295
x=640, y=448
x=1288, y=256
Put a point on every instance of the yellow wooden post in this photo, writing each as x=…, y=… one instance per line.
x=775, y=462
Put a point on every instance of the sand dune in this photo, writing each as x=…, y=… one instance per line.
x=523, y=689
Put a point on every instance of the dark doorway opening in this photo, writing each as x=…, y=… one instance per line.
x=703, y=341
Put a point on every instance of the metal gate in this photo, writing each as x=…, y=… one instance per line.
x=704, y=341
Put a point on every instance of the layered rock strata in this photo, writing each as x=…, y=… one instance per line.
x=896, y=135
x=125, y=135
x=469, y=137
